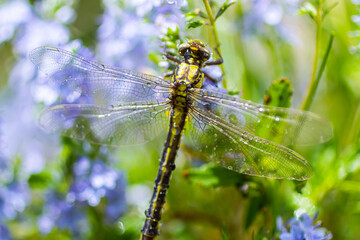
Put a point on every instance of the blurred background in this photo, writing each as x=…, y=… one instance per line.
x=53, y=187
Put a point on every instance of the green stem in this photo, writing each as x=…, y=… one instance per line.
x=313, y=82
x=214, y=32
x=354, y=130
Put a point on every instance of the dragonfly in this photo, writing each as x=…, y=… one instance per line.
x=130, y=108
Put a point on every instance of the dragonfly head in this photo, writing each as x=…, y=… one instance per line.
x=194, y=50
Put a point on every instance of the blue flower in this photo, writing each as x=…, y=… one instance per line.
x=93, y=182
x=14, y=197
x=262, y=13
x=63, y=214
x=302, y=228
x=4, y=233
x=124, y=35
x=12, y=15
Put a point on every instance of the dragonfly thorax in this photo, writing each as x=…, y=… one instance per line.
x=190, y=74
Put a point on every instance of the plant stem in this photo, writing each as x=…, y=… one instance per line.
x=313, y=82
x=354, y=130
x=215, y=35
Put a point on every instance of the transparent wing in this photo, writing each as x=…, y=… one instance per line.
x=243, y=152
x=120, y=125
x=281, y=125
x=106, y=85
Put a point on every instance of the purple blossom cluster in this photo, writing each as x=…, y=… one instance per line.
x=14, y=197
x=302, y=228
x=94, y=184
x=4, y=233
x=261, y=14
x=124, y=37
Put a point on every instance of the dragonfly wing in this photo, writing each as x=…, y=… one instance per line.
x=106, y=85
x=281, y=125
x=120, y=125
x=240, y=151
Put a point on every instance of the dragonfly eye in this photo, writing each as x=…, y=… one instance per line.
x=205, y=54
x=183, y=47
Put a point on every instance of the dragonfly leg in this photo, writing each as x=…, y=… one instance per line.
x=168, y=74
x=215, y=62
x=209, y=77
x=172, y=58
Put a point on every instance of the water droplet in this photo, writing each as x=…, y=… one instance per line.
x=230, y=167
x=261, y=109
x=277, y=118
x=120, y=227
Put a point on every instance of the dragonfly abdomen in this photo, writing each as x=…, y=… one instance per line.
x=167, y=165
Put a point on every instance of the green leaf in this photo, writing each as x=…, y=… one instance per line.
x=214, y=176
x=39, y=180
x=190, y=15
x=195, y=24
x=154, y=58
x=279, y=93
x=233, y=92
x=309, y=9
x=223, y=8
x=328, y=9
x=197, y=13
x=253, y=210
x=225, y=235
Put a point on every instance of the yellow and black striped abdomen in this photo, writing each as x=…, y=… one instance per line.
x=167, y=165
